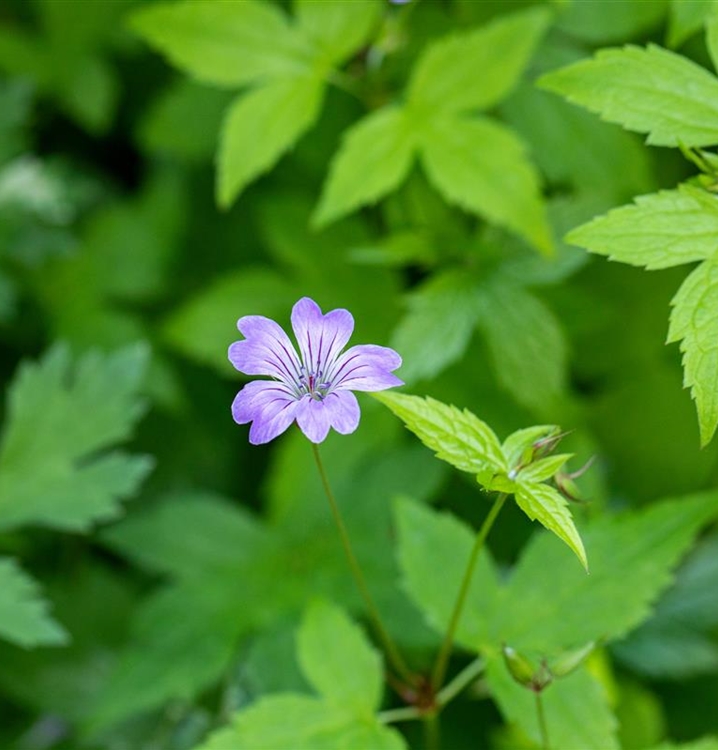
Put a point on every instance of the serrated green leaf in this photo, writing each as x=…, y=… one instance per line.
x=549, y=606
x=336, y=27
x=24, y=617
x=527, y=345
x=338, y=661
x=577, y=709
x=50, y=471
x=426, y=536
x=300, y=722
x=227, y=44
x=694, y=322
x=437, y=328
x=544, y=504
x=373, y=159
x=457, y=437
x=649, y=90
x=202, y=328
x=444, y=78
x=481, y=166
x=659, y=231
x=260, y=127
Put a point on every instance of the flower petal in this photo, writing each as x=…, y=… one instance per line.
x=266, y=350
x=268, y=405
x=320, y=337
x=313, y=418
x=343, y=410
x=366, y=367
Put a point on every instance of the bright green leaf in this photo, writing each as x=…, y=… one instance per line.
x=24, y=619
x=527, y=345
x=648, y=90
x=425, y=537
x=577, y=708
x=336, y=27
x=338, y=661
x=260, y=127
x=521, y=441
x=659, y=231
x=445, y=77
x=481, y=166
x=300, y=722
x=544, y=504
x=60, y=415
x=544, y=468
x=228, y=44
x=694, y=323
x=437, y=328
x=457, y=437
x=373, y=159
x=604, y=23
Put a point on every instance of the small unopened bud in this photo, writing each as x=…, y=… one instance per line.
x=523, y=671
x=567, y=487
x=546, y=444
x=571, y=660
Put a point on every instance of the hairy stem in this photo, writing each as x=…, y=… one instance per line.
x=442, y=660
x=392, y=653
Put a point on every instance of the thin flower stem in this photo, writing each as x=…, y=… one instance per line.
x=442, y=660
x=390, y=648
x=545, y=744
x=467, y=675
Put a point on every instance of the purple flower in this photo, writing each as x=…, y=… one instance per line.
x=315, y=386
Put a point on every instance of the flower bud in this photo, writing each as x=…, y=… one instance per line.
x=571, y=660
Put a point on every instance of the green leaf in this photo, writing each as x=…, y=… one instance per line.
x=712, y=35
x=550, y=606
x=659, y=231
x=544, y=468
x=24, y=619
x=705, y=743
x=694, y=322
x=482, y=167
x=202, y=328
x=338, y=661
x=300, y=722
x=438, y=325
x=676, y=643
x=184, y=639
x=227, y=44
x=685, y=19
x=577, y=709
x=444, y=78
x=52, y=468
x=601, y=23
x=260, y=127
x=521, y=441
x=648, y=90
x=457, y=437
x=527, y=345
x=337, y=28
x=373, y=159
x=544, y=504
x=425, y=537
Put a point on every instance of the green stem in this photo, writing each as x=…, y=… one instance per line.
x=545, y=744
x=432, y=731
x=467, y=675
x=390, y=648
x=393, y=715
x=442, y=660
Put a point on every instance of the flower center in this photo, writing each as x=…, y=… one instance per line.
x=312, y=384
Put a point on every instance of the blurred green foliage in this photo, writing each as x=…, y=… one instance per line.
x=166, y=586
